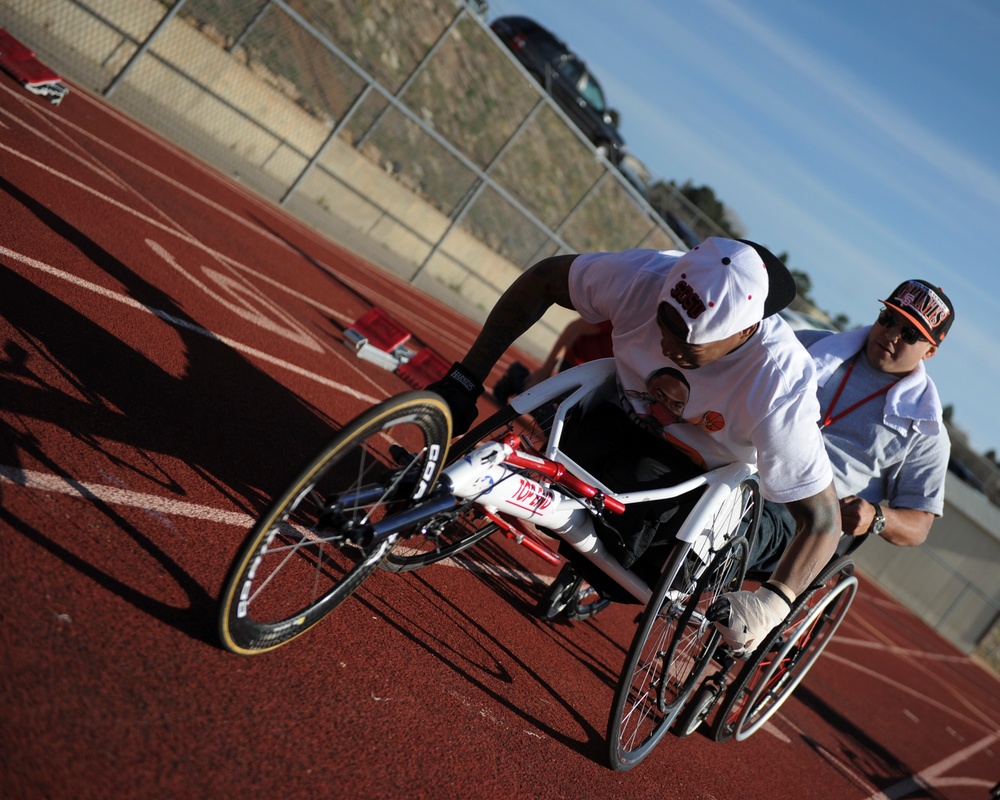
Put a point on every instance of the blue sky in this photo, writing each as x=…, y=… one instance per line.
x=862, y=137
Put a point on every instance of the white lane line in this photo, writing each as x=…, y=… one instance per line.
x=180, y=323
x=923, y=699
x=934, y=777
x=47, y=482
x=900, y=651
x=56, y=124
x=31, y=479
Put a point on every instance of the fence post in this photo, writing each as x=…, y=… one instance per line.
x=326, y=142
x=412, y=76
x=144, y=47
x=249, y=26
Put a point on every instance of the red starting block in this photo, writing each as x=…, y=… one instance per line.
x=378, y=338
x=423, y=368
x=20, y=63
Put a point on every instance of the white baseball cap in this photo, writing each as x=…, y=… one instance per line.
x=723, y=286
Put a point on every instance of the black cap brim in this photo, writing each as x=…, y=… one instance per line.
x=780, y=283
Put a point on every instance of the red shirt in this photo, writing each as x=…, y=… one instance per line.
x=590, y=347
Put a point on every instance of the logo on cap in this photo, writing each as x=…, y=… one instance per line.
x=924, y=301
x=688, y=299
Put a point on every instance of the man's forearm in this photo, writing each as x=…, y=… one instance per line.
x=906, y=527
x=520, y=307
x=817, y=532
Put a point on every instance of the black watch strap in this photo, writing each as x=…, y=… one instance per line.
x=878, y=522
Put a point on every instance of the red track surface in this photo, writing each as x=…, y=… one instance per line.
x=171, y=353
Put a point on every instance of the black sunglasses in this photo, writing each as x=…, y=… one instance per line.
x=907, y=333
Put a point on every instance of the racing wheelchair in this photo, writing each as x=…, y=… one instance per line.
x=388, y=492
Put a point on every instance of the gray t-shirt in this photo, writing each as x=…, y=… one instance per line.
x=870, y=459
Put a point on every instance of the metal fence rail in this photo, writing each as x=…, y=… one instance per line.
x=406, y=118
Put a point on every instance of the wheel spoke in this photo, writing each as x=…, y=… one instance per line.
x=672, y=647
x=314, y=547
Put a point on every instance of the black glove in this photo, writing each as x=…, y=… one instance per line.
x=460, y=391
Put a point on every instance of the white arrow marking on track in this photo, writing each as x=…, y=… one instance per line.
x=253, y=352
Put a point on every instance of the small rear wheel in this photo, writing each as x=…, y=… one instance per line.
x=586, y=603
x=771, y=674
x=318, y=541
x=561, y=592
x=697, y=709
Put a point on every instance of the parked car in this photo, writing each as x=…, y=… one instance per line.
x=635, y=172
x=566, y=78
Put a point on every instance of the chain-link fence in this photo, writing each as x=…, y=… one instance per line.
x=406, y=118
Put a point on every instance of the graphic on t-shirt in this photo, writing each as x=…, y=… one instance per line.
x=666, y=396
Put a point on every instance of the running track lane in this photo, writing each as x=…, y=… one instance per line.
x=171, y=351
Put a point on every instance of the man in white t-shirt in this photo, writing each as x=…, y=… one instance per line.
x=712, y=312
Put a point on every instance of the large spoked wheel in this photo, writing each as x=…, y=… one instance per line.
x=320, y=539
x=449, y=533
x=781, y=662
x=675, y=640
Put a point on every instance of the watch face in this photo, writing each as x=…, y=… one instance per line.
x=878, y=525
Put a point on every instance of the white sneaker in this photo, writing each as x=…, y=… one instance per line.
x=746, y=618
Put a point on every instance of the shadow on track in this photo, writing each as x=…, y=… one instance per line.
x=241, y=431
x=476, y=651
x=860, y=751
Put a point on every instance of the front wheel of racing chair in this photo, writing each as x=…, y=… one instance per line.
x=771, y=674
x=458, y=529
x=675, y=641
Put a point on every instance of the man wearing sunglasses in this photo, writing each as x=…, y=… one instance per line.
x=881, y=422
x=711, y=312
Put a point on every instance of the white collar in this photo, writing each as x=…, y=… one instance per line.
x=912, y=400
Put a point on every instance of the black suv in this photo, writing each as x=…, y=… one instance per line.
x=566, y=78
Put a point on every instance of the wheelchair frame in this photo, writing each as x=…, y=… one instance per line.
x=335, y=537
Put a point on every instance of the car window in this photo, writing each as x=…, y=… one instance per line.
x=591, y=92
x=570, y=68
x=549, y=49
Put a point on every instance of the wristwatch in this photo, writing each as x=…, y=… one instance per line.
x=878, y=523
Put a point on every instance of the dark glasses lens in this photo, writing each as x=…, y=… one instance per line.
x=907, y=333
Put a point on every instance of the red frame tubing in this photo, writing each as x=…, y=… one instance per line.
x=519, y=532
x=558, y=473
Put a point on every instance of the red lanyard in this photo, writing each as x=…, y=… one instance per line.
x=830, y=418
